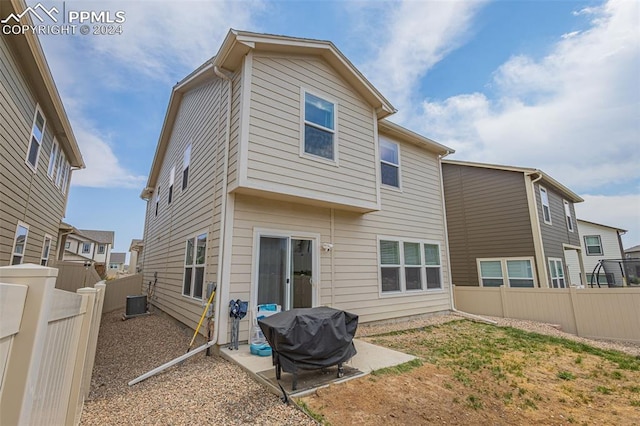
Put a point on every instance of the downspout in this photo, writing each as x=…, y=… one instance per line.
x=540, y=259
x=446, y=241
x=223, y=206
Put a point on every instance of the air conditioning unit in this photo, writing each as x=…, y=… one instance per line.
x=136, y=305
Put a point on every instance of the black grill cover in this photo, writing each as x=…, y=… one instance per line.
x=310, y=338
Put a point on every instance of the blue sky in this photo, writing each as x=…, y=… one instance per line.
x=548, y=84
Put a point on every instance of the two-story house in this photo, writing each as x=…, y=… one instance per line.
x=599, y=242
x=89, y=245
x=277, y=176
x=38, y=151
x=510, y=226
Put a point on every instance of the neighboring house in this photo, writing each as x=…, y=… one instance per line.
x=88, y=245
x=116, y=264
x=599, y=242
x=277, y=177
x=38, y=151
x=632, y=252
x=509, y=226
x=135, y=250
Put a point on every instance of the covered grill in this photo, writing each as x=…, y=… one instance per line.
x=310, y=338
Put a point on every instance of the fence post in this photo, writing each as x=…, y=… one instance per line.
x=101, y=289
x=574, y=309
x=27, y=348
x=76, y=397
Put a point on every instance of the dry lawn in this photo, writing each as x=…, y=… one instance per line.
x=471, y=373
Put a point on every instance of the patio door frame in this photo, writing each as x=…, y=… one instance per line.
x=289, y=235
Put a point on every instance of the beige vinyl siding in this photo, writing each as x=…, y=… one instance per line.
x=487, y=217
x=201, y=122
x=415, y=213
x=275, y=133
x=234, y=133
x=610, y=246
x=31, y=198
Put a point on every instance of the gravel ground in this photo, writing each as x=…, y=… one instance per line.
x=211, y=390
x=203, y=390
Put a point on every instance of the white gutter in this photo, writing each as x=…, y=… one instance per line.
x=446, y=239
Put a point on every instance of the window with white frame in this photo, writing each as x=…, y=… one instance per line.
x=101, y=248
x=601, y=279
x=557, y=273
x=157, y=197
x=46, y=248
x=172, y=177
x=35, y=140
x=19, y=243
x=53, y=158
x=194, y=266
x=319, y=126
x=389, y=163
x=546, y=210
x=593, y=245
x=185, y=167
x=408, y=265
x=567, y=214
x=510, y=272
x=86, y=248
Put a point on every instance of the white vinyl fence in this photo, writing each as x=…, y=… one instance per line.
x=48, y=339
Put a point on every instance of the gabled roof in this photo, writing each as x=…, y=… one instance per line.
x=118, y=257
x=604, y=226
x=569, y=194
x=632, y=249
x=136, y=244
x=31, y=57
x=392, y=129
x=229, y=58
x=102, y=237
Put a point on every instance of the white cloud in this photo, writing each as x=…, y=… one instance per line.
x=622, y=211
x=573, y=113
x=415, y=35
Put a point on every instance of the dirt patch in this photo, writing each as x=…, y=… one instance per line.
x=478, y=374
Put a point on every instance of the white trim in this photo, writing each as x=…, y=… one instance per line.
x=552, y=269
x=289, y=235
x=172, y=179
x=568, y=217
x=542, y=189
x=242, y=164
x=15, y=237
x=586, y=246
x=186, y=165
x=423, y=266
x=44, y=242
x=376, y=155
x=399, y=165
x=194, y=265
x=33, y=167
x=505, y=270
x=536, y=231
x=331, y=161
x=53, y=157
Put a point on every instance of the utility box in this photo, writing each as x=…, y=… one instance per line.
x=136, y=305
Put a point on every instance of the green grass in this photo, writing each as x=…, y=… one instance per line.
x=603, y=390
x=315, y=416
x=565, y=375
x=399, y=369
x=474, y=402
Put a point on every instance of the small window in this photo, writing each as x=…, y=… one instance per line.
x=53, y=158
x=557, y=273
x=157, y=197
x=185, y=167
x=567, y=214
x=390, y=163
x=546, y=211
x=194, y=266
x=408, y=266
x=37, y=135
x=46, y=248
x=593, y=245
x=319, y=126
x=86, y=248
x=100, y=248
x=172, y=176
x=19, y=243
x=67, y=245
x=60, y=169
x=510, y=272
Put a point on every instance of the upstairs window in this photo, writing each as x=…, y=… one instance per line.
x=593, y=245
x=172, y=177
x=46, y=247
x=19, y=243
x=86, y=248
x=185, y=167
x=37, y=134
x=390, y=163
x=319, y=127
x=67, y=245
x=101, y=249
x=157, y=197
x=567, y=214
x=53, y=158
x=546, y=211
x=194, y=265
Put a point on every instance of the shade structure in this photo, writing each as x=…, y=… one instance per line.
x=310, y=338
